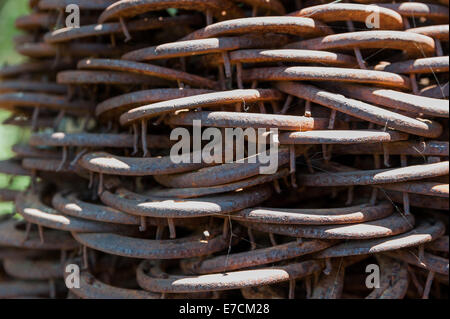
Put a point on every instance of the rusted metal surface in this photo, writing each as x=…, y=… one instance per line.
x=132, y=247
x=394, y=280
x=362, y=110
x=384, y=227
x=440, y=244
x=419, y=200
x=427, y=261
x=71, y=205
x=274, y=6
x=48, y=165
x=8, y=71
x=185, y=208
x=219, y=174
x=12, y=234
x=15, y=253
x=35, y=20
x=13, y=167
x=102, y=77
x=44, y=50
x=394, y=99
x=284, y=55
x=146, y=69
x=422, y=188
x=32, y=86
x=199, y=101
x=83, y=4
x=436, y=91
x=8, y=195
x=410, y=148
x=413, y=44
x=423, y=65
x=122, y=103
x=94, y=140
x=17, y=288
x=309, y=73
x=21, y=122
x=223, y=9
x=34, y=211
x=42, y=100
x=298, y=26
x=33, y=269
x=26, y=150
x=380, y=176
x=92, y=288
x=340, y=137
x=69, y=34
x=416, y=9
x=439, y=32
x=263, y=292
x=330, y=285
x=244, y=120
x=192, y=192
x=203, y=46
x=104, y=163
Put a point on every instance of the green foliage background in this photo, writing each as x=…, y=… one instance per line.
x=10, y=135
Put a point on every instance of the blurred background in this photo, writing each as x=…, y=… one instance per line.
x=9, y=135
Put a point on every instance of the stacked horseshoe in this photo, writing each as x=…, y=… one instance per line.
x=358, y=93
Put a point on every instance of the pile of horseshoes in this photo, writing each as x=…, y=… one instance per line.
x=357, y=91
